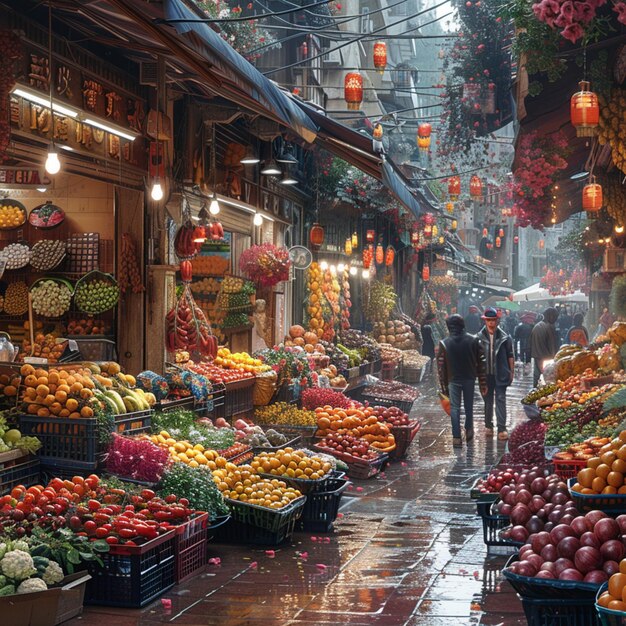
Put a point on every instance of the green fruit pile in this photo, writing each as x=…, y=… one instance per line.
x=540, y=392
x=284, y=413
x=96, y=296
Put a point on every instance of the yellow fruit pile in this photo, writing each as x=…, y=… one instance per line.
x=316, y=297
x=11, y=216
x=605, y=473
x=284, y=413
x=241, y=361
x=57, y=393
x=185, y=452
x=243, y=484
x=291, y=463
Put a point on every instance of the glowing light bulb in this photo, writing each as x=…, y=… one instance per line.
x=366, y=274
x=156, y=193
x=619, y=229
x=53, y=165
x=333, y=270
x=323, y=266
x=214, y=207
x=258, y=219
x=341, y=267
x=353, y=271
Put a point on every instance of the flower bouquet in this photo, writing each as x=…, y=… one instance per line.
x=266, y=265
x=290, y=364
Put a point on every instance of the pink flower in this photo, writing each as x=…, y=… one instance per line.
x=620, y=9
x=573, y=32
x=584, y=12
x=546, y=11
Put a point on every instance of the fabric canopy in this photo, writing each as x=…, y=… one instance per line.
x=534, y=292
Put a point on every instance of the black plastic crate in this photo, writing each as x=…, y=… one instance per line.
x=64, y=441
x=178, y=403
x=136, y=423
x=492, y=525
x=321, y=508
x=551, y=612
x=133, y=576
x=404, y=405
x=24, y=471
x=191, y=547
x=251, y=524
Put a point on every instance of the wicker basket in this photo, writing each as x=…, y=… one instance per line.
x=88, y=278
x=264, y=390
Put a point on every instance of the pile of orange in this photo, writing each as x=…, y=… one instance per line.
x=357, y=422
x=57, y=392
x=243, y=484
x=582, y=451
x=615, y=597
x=606, y=472
x=240, y=361
x=291, y=463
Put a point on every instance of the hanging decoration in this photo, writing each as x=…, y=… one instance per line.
x=423, y=136
x=380, y=254
x=370, y=236
x=444, y=290
x=585, y=111
x=426, y=273
x=450, y=207
x=592, y=196
x=501, y=232
x=353, y=90
x=516, y=240
x=316, y=236
x=415, y=238
x=454, y=187
x=485, y=232
x=542, y=244
x=348, y=246
x=368, y=256
x=390, y=255
x=428, y=230
x=476, y=187
x=355, y=240
x=435, y=230
x=380, y=56
x=498, y=242
x=378, y=132
x=454, y=225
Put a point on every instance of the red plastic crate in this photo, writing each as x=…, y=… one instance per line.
x=568, y=469
x=190, y=547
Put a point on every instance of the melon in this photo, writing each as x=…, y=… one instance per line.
x=296, y=331
x=310, y=337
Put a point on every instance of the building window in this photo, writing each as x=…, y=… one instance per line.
x=539, y=262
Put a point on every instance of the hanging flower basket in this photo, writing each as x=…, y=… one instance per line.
x=266, y=265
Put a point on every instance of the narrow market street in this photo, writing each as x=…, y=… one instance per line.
x=407, y=551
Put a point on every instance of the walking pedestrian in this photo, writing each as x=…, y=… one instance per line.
x=521, y=338
x=544, y=342
x=565, y=323
x=509, y=323
x=498, y=348
x=578, y=334
x=460, y=361
x=472, y=320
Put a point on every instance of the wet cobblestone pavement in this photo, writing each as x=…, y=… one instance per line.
x=407, y=551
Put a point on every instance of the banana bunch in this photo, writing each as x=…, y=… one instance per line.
x=119, y=398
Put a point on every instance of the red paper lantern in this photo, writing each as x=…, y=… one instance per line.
x=368, y=256
x=316, y=236
x=498, y=242
x=485, y=232
x=424, y=130
x=353, y=90
x=415, y=238
x=542, y=243
x=585, y=111
x=378, y=132
x=501, y=232
x=370, y=236
x=390, y=255
x=380, y=56
x=423, y=143
x=516, y=240
x=426, y=273
x=380, y=254
x=476, y=187
x=454, y=187
x=428, y=230
x=592, y=197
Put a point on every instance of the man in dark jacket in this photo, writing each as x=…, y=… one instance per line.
x=521, y=338
x=544, y=342
x=498, y=349
x=460, y=361
x=472, y=320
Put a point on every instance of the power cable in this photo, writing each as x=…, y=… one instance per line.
x=355, y=40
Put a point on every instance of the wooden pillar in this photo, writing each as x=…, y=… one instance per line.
x=129, y=212
x=160, y=298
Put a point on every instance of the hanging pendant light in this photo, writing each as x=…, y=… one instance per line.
x=476, y=187
x=370, y=236
x=214, y=206
x=592, y=196
x=585, y=111
x=423, y=136
x=380, y=254
x=156, y=193
x=353, y=90
x=380, y=56
x=454, y=187
x=316, y=236
x=355, y=240
x=53, y=165
x=348, y=246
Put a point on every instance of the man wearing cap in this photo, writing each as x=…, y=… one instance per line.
x=498, y=349
x=472, y=320
x=461, y=361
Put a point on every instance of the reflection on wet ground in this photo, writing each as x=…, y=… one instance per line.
x=407, y=551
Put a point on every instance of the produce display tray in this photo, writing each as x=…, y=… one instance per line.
x=24, y=470
x=136, y=423
x=609, y=617
x=357, y=468
x=376, y=400
x=321, y=507
x=492, y=525
x=611, y=504
x=551, y=612
x=133, y=576
x=291, y=443
x=258, y=525
x=404, y=436
x=302, y=485
x=238, y=398
x=306, y=433
x=548, y=589
x=190, y=547
x=72, y=596
x=171, y=405
x=479, y=496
